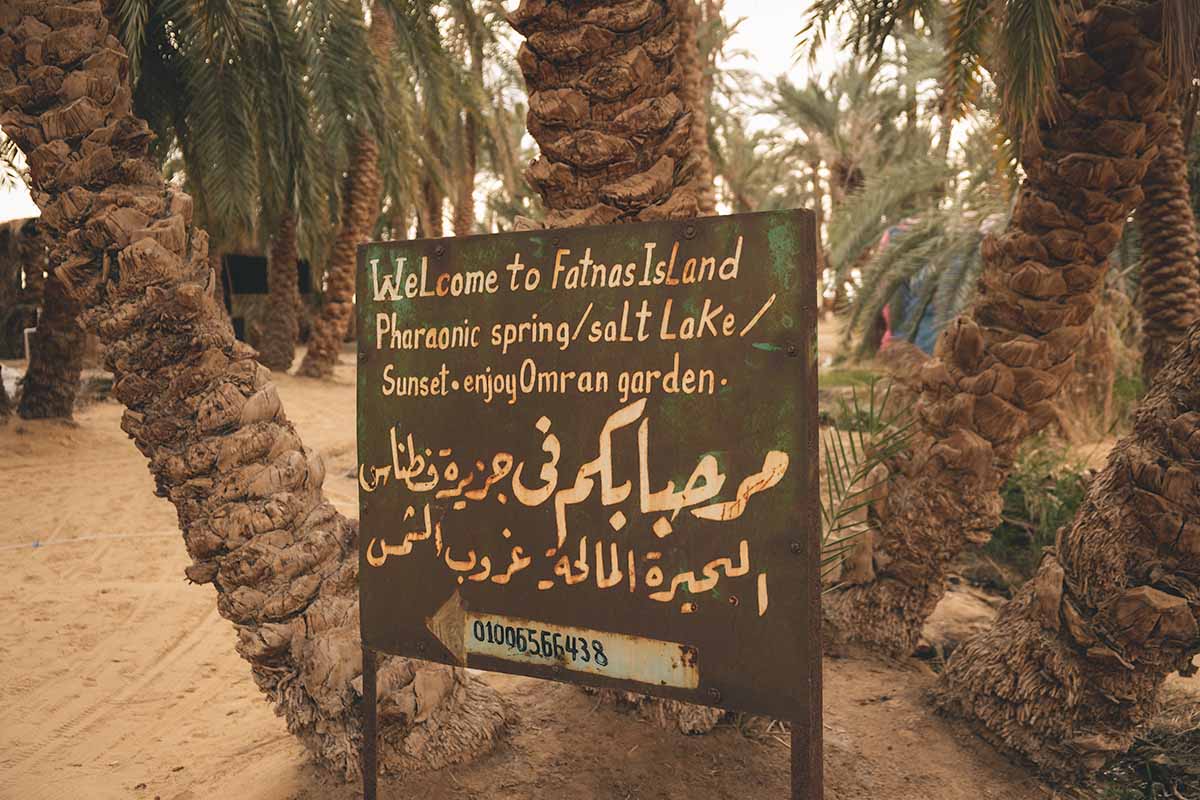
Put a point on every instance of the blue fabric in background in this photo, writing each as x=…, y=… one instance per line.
x=906, y=305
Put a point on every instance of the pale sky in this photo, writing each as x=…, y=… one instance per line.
x=768, y=32
x=15, y=203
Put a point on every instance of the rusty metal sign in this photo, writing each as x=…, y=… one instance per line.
x=590, y=455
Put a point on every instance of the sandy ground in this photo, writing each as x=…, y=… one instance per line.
x=119, y=680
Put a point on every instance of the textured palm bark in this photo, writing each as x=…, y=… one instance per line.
x=56, y=356
x=606, y=110
x=695, y=97
x=15, y=259
x=1168, y=285
x=1069, y=673
x=364, y=190
x=998, y=368
x=430, y=223
x=278, y=346
x=464, y=203
x=22, y=278
x=1085, y=403
x=615, y=137
x=246, y=490
x=34, y=257
x=51, y=383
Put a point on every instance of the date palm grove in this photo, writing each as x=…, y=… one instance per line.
x=157, y=135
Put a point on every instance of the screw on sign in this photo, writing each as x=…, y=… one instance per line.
x=590, y=456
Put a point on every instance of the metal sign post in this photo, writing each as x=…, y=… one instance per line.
x=370, y=751
x=590, y=455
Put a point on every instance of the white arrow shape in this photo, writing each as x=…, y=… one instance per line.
x=614, y=655
x=448, y=626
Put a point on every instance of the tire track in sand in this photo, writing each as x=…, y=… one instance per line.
x=20, y=696
x=80, y=713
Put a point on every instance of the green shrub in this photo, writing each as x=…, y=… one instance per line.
x=837, y=378
x=1042, y=493
x=1164, y=761
x=1127, y=391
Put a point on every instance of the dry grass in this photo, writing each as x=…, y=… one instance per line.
x=1164, y=763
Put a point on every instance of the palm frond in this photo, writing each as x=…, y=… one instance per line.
x=884, y=275
x=887, y=197
x=966, y=36
x=871, y=23
x=1032, y=34
x=13, y=173
x=132, y=17
x=880, y=431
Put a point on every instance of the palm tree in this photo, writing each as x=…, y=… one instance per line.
x=9, y=280
x=1168, y=284
x=616, y=147
x=468, y=126
x=51, y=383
x=1086, y=90
x=363, y=191
x=236, y=97
x=941, y=244
x=278, y=346
x=849, y=128
x=207, y=416
x=758, y=169
x=1069, y=673
x=694, y=95
x=848, y=123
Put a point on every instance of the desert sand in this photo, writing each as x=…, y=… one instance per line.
x=118, y=679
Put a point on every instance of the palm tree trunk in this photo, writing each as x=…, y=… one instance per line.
x=615, y=147
x=1069, y=673
x=693, y=95
x=464, y=203
x=1168, y=289
x=819, y=210
x=998, y=368
x=35, y=265
x=364, y=187
x=1084, y=405
x=246, y=490
x=5, y=403
x=50, y=384
x=283, y=286
x=429, y=216
x=398, y=223
x=217, y=267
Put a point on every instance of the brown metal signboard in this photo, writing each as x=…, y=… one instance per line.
x=590, y=455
